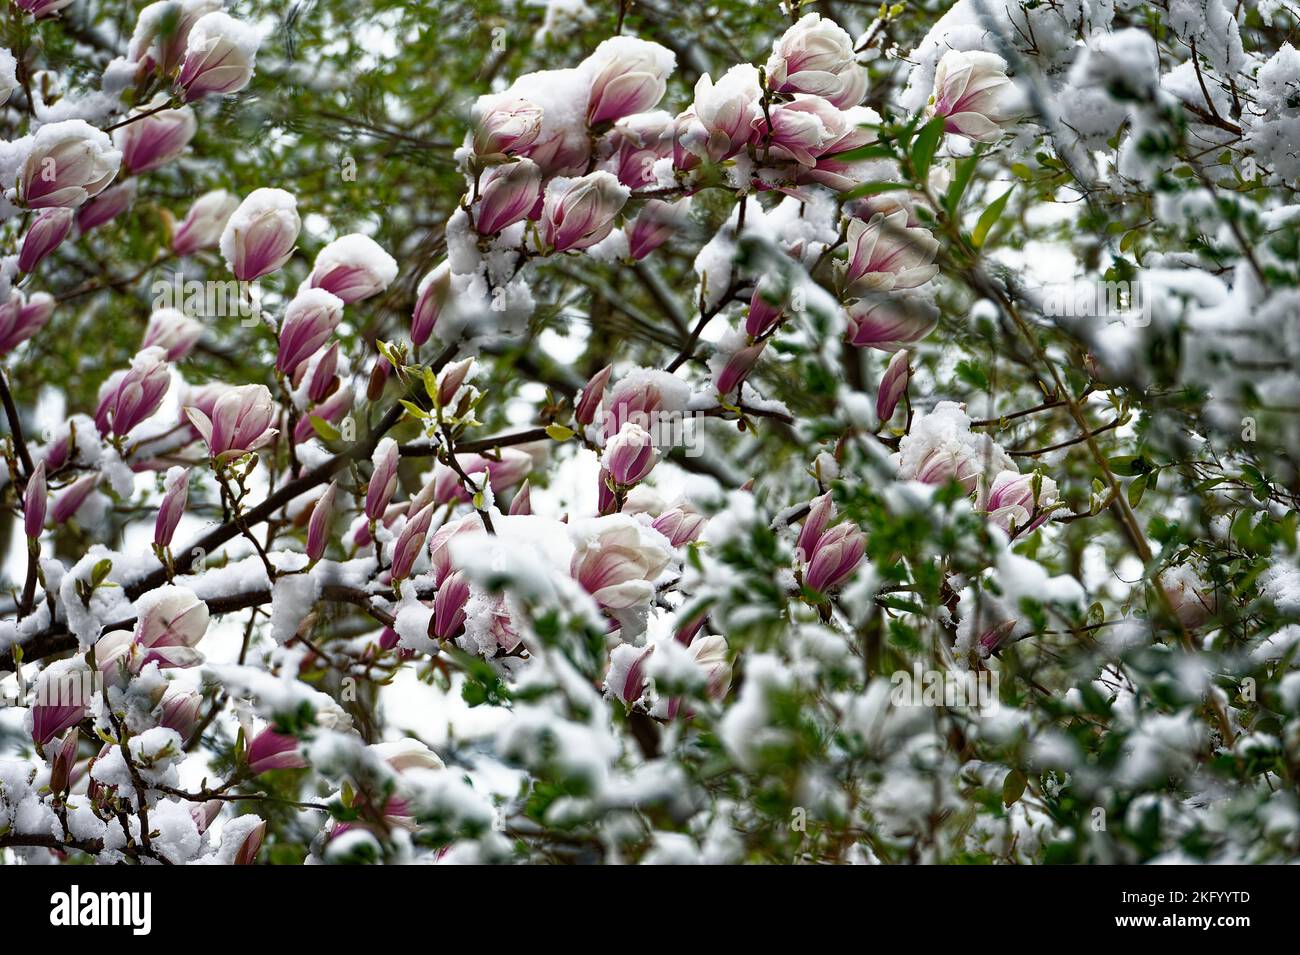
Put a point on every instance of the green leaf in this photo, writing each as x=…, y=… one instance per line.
x=1013, y=787
x=1137, y=489
x=957, y=188
x=323, y=428
x=100, y=571
x=926, y=142
x=558, y=432
x=414, y=409
x=989, y=217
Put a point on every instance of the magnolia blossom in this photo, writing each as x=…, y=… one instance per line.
x=35, y=499
x=22, y=317
x=505, y=125
x=940, y=447
x=765, y=308
x=219, y=55
x=813, y=56
x=259, y=236
x=69, y=162
x=973, y=93
x=578, y=213
x=712, y=656
x=631, y=149
x=318, y=526
x=628, y=76
x=176, y=493
x=450, y=380
x=60, y=699
x=731, y=372
x=410, y=542
x=69, y=502
x=1013, y=498
x=45, y=235
x=589, y=401
x=324, y=378
x=449, y=606
x=522, y=503
x=510, y=194
x=680, y=525
x=893, y=385
x=616, y=562
x=170, y=622
x=801, y=130
x=835, y=556
x=655, y=224
x=309, y=320
x=820, y=513
x=383, y=479
x=507, y=471
x=887, y=254
x=724, y=114
x=149, y=141
x=162, y=31
x=431, y=298
x=353, y=267
x=106, y=206
x=630, y=455
x=439, y=544
x=271, y=750
x=42, y=8
x=331, y=410
x=204, y=223
x=890, y=325
x=173, y=331
x=240, y=422
x=129, y=397
x=180, y=710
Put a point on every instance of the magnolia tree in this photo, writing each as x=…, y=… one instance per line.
x=618, y=433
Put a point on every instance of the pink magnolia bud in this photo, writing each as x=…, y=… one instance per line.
x=353, y=267
x=271, y=750
x=1011, y=499
x=893, y=385
x=588, y=404
x=172, y=621
x=628, y=76
x=765, y=308
x=972, y=91
x=323, y=375
x=679, y=525
x=505, y=125
x=630, y=455
x=509, y=195
x=737, y=367
x=173, y=331
x=578, y=213
x=688, y=628
x=69, y=502
x=259, y=236
x=800, y=131
x=318, y=526
x=626, y=678
x=835, y=556
x=616, y=563
x=39, y=9
x=411, y=541
x=813, y=56
x=65, y=758
x=204, y=223
x=252, y=844
x=331, y=410
x=449, y=607
x=240, y=421
x=45, y=235
x=522, y=504
x=452, y=377
x=507, y=471
x=886, y=254
x=431, y=298
x=890, y=326
x=60, y=704
x=176, y=493
x=22, y=317
x=180, y=710
x=69, y=162
x=383, y=479
x=106, y=206
x=129, y=397
x=219, y=56
x=723, y=114
x=154, y=140
x=605, y=500
x=35, y=498
x=820, y=514
x=655, y=224
x=439, y=544
x=162, y=31
x=309, y=320
x=631, y=149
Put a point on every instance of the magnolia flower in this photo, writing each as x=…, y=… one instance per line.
x=631, y=149
x=271, y=750
x=630, y=455
x=439, y=544
x=813, y=56
x=353, y=267
x=45, y=235
x=820, y=513
x=589, y=402
x=1011, y=500
x=106, y=206
x=180, y=710
x=331, y=410
x=69, y=162
x=973, y=93
x=835, y=556
x=149, y=141
x=176, y=493
x=680, y=525
x=655, y=224
x=507, y=471
x=893, y=385
x=886, y=254
x=801, y=130
x=240, y=422
x=35, y=498
x=69, y=502
x=522, y=503
x=737, y=366
x=578, y=213
x=628, y=76
x=765, y=307
x=431, y=298
x=60, y=699
x=710, y=655
x=219, y=55
x=451, y=378
x=248, y=849
x=173, y=331
x=854, y=80
x=411, y=540
x=22, y=317
x=890, y=325
x=724, y=114
x=510, y=194
x=615, y=562
x=309, y=320
x=204, y=223
x=940, y=448
x=162, y=31
x=259, y=236
x=859, y=127
x=170, y=622
x=324, y=378
x=318, y=525
x=42, y=8
x=129, y=397
x=383, y=478
x=504, y=125
x=449, y=606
